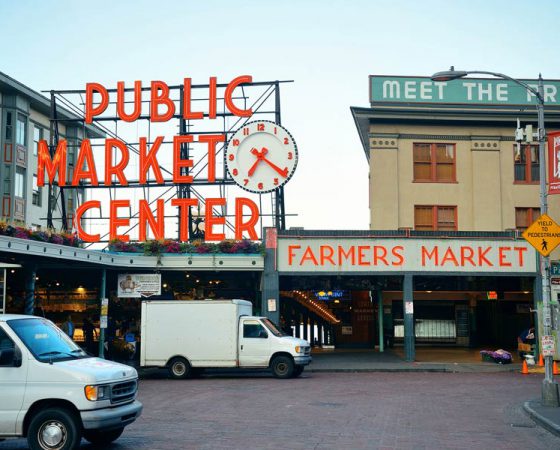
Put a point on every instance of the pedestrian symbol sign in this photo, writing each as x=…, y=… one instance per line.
x=543, y=234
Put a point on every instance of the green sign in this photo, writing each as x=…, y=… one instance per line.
x=483, y=91
x=555, y=268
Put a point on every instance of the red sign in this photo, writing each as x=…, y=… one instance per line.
x=554, y=163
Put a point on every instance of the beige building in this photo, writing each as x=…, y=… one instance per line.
x=451, y=167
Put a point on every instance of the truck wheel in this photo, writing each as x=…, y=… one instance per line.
x=179, y=368
x=102, y=437
x=282, y=367
x=54, y=429
x=298, y=370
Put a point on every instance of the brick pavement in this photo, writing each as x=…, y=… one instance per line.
x=336, y=411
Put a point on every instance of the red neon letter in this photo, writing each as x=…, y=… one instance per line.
x=117, y=170
x=145, y=214
x=115, y=222
x=183, y=205
x=248, y=226
x=212, y=140
x=149, y=159
x=229, y=94
x=137, y=101
x=79, y=212
x=187, y=100
x=58, y=164
x=212, y=98
x=291, y=253
x=90, y=110
x=210, y=220
x=163, y=99
x=503, y=256
x=81, y=173
x=179, y=163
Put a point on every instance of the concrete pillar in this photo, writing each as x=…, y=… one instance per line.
x=102, y=294
x=305, y=327
x=29, y=295
x=320, y=333
x=380, y=319
x=312, y=332
x=298, y=324
x=408, y=315
x=270, y=305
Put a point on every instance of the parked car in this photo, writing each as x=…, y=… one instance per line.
x=53, y=393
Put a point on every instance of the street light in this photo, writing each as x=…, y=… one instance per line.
x=549, y=387
x=197, y=224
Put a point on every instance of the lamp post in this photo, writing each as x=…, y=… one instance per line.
x=549, y=387
x=197, y=224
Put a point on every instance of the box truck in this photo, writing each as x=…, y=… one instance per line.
x=54, y=393
x=187, y=337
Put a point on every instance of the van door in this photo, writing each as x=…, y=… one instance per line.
x=254, y=344
x=13, y=381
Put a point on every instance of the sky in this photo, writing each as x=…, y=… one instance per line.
x=329, y=48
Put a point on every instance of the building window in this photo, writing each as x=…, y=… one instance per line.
x=9, y=125
x=434, y=162
x=37, y=192
x=19, y=190
x=37, y=136
x=435, y=218
x=526, y=164
x=524, y=217
x=21, y=129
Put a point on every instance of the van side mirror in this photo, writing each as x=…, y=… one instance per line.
x=10, y=357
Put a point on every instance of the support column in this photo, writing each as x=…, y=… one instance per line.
x=305, y=326
x=312, y=332
x=102, y=294
x=29, y=296
x=320, y=334
x=408, y=315
x=298, y=323
x=270, y=284
x=380, y=319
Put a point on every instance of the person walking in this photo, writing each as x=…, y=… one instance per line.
x=68, y=327
x=89, y=335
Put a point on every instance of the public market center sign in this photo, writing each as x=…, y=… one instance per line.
x=462, y=91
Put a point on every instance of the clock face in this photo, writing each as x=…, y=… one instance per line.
x=261, y=156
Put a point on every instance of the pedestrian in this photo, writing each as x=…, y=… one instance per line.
x=89, y=334
x=68, y=327
x=109, y=337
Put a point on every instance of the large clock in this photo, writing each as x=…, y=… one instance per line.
x=261, y=156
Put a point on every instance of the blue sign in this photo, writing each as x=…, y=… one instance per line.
x=329, y=295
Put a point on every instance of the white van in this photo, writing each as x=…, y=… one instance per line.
x=190, y=336
x=54, y=393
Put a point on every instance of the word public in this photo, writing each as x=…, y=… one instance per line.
x=53, y=167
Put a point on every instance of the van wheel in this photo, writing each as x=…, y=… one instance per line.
x=102, y=437
x=282, y=367
x=54, y=429
x=298, y=370
x=179, y=368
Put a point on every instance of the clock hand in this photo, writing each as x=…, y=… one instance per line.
x=284, y=172
x=259, y=156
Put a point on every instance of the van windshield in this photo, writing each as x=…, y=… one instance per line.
x=273, y=328
x=46, y=341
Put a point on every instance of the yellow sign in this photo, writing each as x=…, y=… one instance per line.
x=543, y=234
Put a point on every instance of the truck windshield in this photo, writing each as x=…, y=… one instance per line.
x=273, y=328
x=46, y=341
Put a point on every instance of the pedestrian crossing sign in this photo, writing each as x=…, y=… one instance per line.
x=543, y=234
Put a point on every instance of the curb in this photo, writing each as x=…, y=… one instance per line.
x=541, y=420
x=440, y=370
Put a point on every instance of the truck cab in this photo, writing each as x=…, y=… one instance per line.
x=54, y=393
x=262, y=344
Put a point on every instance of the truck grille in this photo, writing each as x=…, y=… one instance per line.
x=306, y=350
x=123, y=392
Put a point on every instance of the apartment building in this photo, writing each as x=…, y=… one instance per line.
x=24, y=120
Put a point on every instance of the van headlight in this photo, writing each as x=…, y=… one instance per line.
x=300, y=349
x=94, y=393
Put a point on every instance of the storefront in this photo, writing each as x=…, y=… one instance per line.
x=364, y=289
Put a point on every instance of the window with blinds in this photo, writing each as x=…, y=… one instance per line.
x=434, y=163
x=435, y=218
